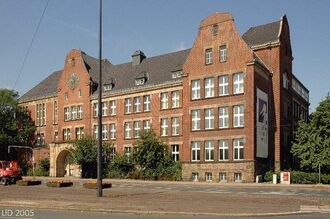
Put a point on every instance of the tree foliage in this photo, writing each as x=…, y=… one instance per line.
x=312, y=142
x=84, y=153
x=16, y=124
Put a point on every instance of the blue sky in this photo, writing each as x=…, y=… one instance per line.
x=155, y=27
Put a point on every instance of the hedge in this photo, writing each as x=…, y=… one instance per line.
x=299, y=177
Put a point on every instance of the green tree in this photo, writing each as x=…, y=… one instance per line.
x=16, y=124
x=312, y=142
x=153, y=158
x=84, y=153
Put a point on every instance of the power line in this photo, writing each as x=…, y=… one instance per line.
x=30, y=45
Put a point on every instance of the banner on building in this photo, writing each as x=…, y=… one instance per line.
x=262, y=124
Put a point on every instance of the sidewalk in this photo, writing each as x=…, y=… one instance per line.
x=160, y=201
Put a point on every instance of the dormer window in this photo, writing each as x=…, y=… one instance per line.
x=109, y=86
x=141, y=79
x=177, y=74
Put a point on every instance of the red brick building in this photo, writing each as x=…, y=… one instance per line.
x=227, y=107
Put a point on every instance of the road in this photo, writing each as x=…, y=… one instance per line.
x=56, y=214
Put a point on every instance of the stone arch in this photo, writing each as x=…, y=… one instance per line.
x=61, y=164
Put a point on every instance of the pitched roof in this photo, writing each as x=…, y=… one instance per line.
x=158, y=69
x=45, y=88
x=263, y=34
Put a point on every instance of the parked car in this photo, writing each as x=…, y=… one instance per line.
x=9, y=172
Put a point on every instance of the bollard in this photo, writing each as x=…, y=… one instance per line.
x=274, y=179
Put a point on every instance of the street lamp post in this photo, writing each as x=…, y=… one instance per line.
x=99, y=128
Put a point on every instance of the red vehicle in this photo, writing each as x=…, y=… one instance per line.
x=9, y=172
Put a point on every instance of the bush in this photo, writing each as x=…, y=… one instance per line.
x=299, y=177
x=120, y=167
x=38, y=171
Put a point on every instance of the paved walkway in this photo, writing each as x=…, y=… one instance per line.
x=172, y=197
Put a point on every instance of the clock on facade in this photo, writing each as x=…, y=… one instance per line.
x=73, y=81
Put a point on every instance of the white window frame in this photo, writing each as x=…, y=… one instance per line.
x=224, y=150
x=223, y=177
x=238, y=86
x=195, y=89
x=223, y=53
x=80, y=111
x=175, y=126
x=238, y=119
x=104, y=131
x=128, y=105
x=73, y=112
x=55, y=112
x=137, y=104
x=209, y=119
x=96, y=110
x=195, y=151
x=66, y=113
x=164, y=127
x=209, y=87
x=209, y=151
x=208, y=56
x=112, y=107
x=238, y=146
x=112, y=130
x=164, y=100
x=195, y=120
x=223, y=85
x=137, y=129
x=96, y=136
x=127, y=151
x=208, y=177
x=146, y=103
x=104, y=108
x=175, y=99
x=238, y=177
x=223, y=117
x=128, y=130
x=146, y=125
x=175, y=152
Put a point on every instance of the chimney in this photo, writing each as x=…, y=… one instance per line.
x=137, y=57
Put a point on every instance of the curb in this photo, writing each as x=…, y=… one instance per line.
x=315, y=208
x=137, y=212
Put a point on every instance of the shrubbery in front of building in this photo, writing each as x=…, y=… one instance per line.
x=299, y=177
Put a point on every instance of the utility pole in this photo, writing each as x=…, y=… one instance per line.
x=99, y=128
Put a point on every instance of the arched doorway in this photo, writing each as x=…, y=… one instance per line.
x=61, y=163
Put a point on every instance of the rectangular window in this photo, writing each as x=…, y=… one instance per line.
x=43, y=114
x=80, y=111
x=222, y=177
x=55, y=112
x=112, y=153
x=128, y=151
x=73, y=112
x=56, y=136
x=128, y=105
x=223, y=117
x=175, y=152
x=209, y=119
x=195, y=120
x=66, y=113
x=79, y=132
x=223, y=150
x=96, y=132
x=223, y=85
x=104, y=108
x=104, y=132
x=164, y=127
x=238, y=83
x=112, y=107
x=146, y=125
x=238, y=177
x=209, y=87
x=209, y=151
x=208, y=56
x=37, y=115
x=146, y=103
x=128, y=130
x=195, y=89
x=66, y=134
x=208, y=177
x=96, y=110
x=238, y=116
x=175, y=99
x=175, y=126
x=223, y=53
x=112, y=131
x=137, y=129
x=137, y=104
x=238, y=149
x=164, y=101
x=195, y=151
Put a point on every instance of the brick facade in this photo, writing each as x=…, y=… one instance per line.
x=258, y=67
